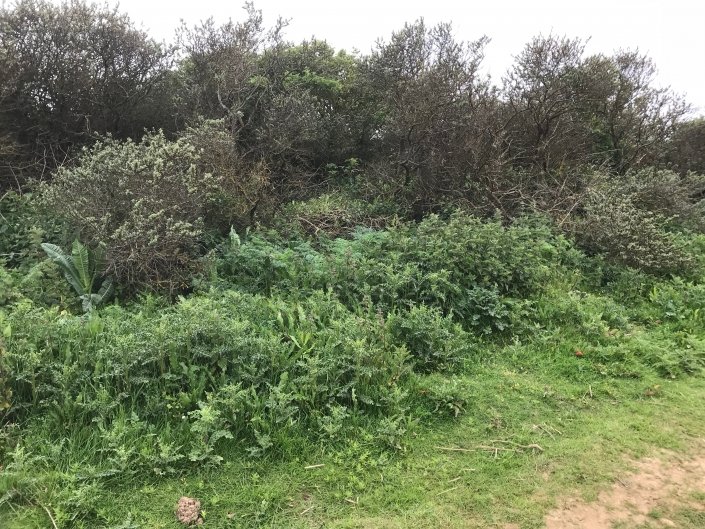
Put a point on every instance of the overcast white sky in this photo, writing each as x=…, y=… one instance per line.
x=672, y=32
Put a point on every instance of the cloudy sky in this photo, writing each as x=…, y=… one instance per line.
x=671, y=32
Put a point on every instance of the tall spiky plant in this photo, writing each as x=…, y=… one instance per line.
x=82, y=269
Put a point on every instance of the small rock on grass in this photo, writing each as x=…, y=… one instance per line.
x=188, y=511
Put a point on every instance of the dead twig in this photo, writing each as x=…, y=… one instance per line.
x=532, y=446
x=625, y=485
x=513, y=447
x=53, y=522
x=447, y=490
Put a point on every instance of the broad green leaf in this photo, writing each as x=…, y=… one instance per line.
x=65, y=262
x=81, y=260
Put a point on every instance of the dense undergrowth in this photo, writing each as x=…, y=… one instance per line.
x=239, y=254
x=294, y=342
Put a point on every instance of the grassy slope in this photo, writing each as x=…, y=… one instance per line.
x=586, y=426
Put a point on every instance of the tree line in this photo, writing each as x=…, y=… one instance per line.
x=223, y=127
x=416, y=110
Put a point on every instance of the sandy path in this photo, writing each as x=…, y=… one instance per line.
x=668, y=482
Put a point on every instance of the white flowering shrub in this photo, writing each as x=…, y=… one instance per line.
x=146, y=202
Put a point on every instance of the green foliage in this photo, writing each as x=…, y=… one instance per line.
x=23, y=226
x=679, y=302
x=5, y=390
x=242, y=187
x=340, y=321
x=686, y=148
x=679, y=198
x=8, y=288
x=81, y=269
x=686, y=358
x=261, y=264
x=336, y=343
x=435, y=342
x=478, y=272
x=209, y=369
x=42, y=284
x=445, y=396
x=331, y=215
x=613, y=225
x=146, y=202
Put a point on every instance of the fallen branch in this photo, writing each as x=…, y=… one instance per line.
x=48, y=514
x=514, y=447
x=447, y=490
x=532, y=446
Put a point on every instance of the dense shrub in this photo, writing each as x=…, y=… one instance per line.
x=435, y=342
x=71, y=70
x=471, y=269
x=289, y=342
x=263, y=262
x=679, y=302
x=613, y=225
x=476, y=271
x=41, y=283
x=8, y=289
x=679, y=198
x=686, y=148
x=23, y=226
x=243, y=191
x=148, y=203
x=144, y=201
x=334, y=318
x=235, y=365
x=332, y=215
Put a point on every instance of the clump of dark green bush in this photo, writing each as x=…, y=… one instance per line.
x=209, y=368
x=265, y=262
x=479, y=272
x=41, y=283
x=434, y=341
x=23, y=226
x=681, y=198
x=644, y=220
x=615, y=227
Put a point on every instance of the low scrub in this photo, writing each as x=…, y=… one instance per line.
x=207, y=369
x=298, y=342
x=150, y=203
x=477, y=272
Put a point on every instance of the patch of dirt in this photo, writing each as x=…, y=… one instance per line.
x=666, y=482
